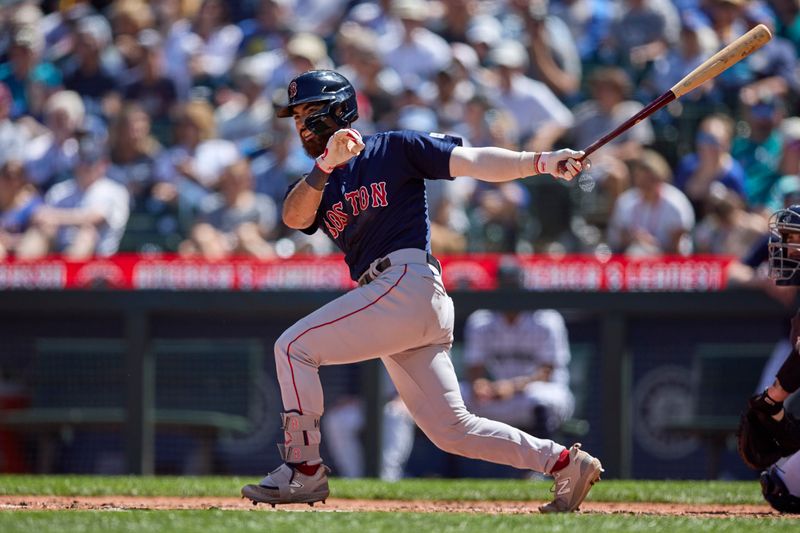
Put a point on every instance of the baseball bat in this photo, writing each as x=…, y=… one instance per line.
x=712, y=67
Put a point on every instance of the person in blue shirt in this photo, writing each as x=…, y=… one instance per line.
x=368, y=195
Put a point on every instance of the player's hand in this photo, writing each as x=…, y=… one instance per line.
x=482, y=390
x=342, y=146
x=504, y=389
x=563, y=164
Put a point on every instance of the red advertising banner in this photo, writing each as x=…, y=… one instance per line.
x=474, y=272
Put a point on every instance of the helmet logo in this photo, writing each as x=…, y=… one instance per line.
x=292, y=90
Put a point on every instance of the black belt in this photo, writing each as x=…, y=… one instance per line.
x=386, y=263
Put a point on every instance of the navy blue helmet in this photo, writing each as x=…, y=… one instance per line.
x=340, y=109
x=784, y=246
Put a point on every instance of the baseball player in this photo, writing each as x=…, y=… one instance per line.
x=368, y=195
x=517, y=363
x=767, y=433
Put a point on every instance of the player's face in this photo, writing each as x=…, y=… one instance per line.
x=793, y=251
x=313, y=144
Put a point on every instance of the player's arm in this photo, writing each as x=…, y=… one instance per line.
x=301, y=204
x=499, y=164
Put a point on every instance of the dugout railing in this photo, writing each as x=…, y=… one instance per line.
x=619, y=325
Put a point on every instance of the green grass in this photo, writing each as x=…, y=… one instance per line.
x=242, y=522
x=412, y=489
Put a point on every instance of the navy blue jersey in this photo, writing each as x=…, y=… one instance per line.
x=376, y=204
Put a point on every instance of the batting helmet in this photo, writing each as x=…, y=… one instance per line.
x=775, y=492
x=326, y=86
x=784, y=246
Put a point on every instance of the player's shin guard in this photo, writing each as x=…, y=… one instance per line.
x=301, y=438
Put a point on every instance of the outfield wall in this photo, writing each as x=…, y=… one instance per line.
x=640, y=354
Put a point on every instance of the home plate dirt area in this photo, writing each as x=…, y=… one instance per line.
x=113, y=503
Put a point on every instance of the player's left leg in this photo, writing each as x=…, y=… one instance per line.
x=427, y=382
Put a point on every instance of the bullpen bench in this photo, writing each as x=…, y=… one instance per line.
x=204, y=388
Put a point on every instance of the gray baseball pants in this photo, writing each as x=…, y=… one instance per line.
x=405, y=317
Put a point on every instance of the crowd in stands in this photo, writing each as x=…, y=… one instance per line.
x=129, y=125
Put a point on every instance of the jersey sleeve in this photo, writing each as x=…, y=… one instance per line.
x=476, y=341
x=427, y=153
x=312, y=229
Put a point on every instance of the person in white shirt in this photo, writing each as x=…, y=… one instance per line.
x=83, y=216
x=52, y=153
x=652, y=217
x=421, y=53
x=517, y=363
x=541, y=117
x=188, y=171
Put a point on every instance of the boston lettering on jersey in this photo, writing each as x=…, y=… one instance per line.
x=359, y=200
x=376, y=203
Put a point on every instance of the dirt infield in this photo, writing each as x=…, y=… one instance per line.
x=117, y=503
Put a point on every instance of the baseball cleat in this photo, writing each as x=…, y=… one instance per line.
x=287, y=485
x=572, y=483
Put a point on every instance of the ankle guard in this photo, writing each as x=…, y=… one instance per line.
x=789, y=374
x=297, y=448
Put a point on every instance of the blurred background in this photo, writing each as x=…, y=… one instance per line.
x=145, y=272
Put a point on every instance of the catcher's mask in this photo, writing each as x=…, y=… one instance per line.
x=340, y=109
x=784, y=246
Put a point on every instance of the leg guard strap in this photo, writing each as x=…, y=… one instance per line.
x=299, y=453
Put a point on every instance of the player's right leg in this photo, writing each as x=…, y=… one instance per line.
x=427, y=382
x=374, y=320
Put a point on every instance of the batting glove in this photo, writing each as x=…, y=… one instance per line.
x=563, y=164
x=342, y=146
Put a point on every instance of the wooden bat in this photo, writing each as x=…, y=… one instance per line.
x=712, y=67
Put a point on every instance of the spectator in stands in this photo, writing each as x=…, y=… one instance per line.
x=758, y=148
x=128, y=19
x=541, y=117
x=728, y=24
x=12, y=137
x=83, y=216
x=642, y=31
x=373, y=81
x=697, y=43
x=608, y=108
x=283, y=163
x=790, y=161
x=201, y=51
x=18, y=201
x=151, y=88
x=787, y=23
x=51, y=155
x=191, y=168
x=24, y=66
x=589, y=22
x=554, y=57
x=773, y=67
x=268, y=30
x=711, y=163
x=134, y=152
x=420, y=53
x=653, y=217
x=517, y=363
x=498, y=212
x=727, y=228
x=246, y=115
x=235, y=221
x=456, y=19
x=87, y=74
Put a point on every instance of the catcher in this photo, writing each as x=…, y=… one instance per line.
x=768, y=435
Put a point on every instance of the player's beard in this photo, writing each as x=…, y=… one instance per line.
x=314, y=146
